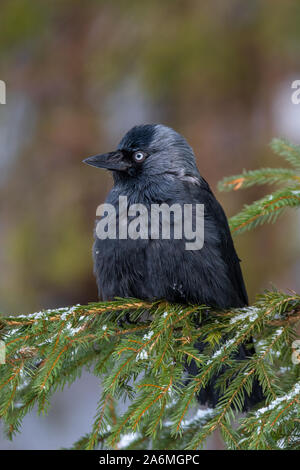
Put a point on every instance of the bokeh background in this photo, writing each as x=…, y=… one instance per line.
x=79, y=74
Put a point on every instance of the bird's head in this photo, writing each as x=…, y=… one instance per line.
x=147, y=151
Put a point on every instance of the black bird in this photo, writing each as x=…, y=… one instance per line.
x=153, y=164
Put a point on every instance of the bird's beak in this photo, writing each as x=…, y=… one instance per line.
x=110, y=161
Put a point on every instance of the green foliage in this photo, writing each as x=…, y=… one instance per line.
x=142, y=361
x=268, y=208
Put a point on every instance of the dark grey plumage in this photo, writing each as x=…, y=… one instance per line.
x=164, y=269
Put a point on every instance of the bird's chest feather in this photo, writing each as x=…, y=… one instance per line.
x=130, y=267
x=156, y=268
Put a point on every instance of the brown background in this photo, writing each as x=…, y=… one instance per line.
x=79, y=74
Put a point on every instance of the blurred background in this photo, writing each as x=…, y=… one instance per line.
x=78, y=75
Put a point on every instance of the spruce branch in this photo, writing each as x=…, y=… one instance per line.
x=265, y=210
x=250, y=178
x=271, y=206
x=144, y=362
x=288, y=151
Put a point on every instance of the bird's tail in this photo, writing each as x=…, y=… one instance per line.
x=211, y=394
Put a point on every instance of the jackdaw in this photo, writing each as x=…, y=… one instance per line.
x=154, y=164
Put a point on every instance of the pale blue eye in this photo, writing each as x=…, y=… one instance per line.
x=139, y=156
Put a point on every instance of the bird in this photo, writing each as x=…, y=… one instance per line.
x=154, y=164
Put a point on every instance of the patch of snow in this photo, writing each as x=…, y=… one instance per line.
x=251, y=314
x=279, y=400
x=141, y=356
x=127, y=439
x=199, y=415
x=148, y=335
x=222, y=349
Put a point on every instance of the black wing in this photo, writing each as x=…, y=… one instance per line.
x=211, y=275
x=227, y=249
